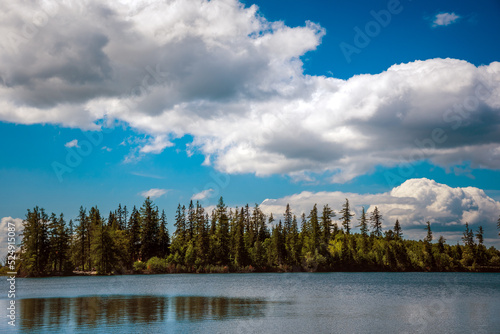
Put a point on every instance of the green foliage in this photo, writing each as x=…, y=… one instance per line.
x=139, y=266
x=240, y=240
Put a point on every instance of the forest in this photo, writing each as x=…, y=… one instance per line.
x=236, y=240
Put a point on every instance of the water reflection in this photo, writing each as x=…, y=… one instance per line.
x=92, y=311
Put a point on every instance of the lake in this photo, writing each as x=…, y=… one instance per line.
x=259, y=303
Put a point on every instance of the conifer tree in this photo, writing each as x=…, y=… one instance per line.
x=120, y=217
x=222, y=233
x=277, y=251
x=498, y=225
x=479, y=235
x=59, y=242
x=82, y=232
x=179, y=239
x=190, y=222
x=314, y=234
x=441, y=243
x=428, y=238
x=468, y=236
x=149, y=230
x=326, y=223
x=293, y=244
x=239, y=250
x=398, y=232
x=101, y=247
x=163, y=237
x=287, y=220
x=363, y=226
x=346, y=216
x=113, y=220
x=376, y=221
x=134, y=235
x=260, y=223
x=201, y=239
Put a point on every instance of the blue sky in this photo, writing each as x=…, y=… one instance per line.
x=253, y=103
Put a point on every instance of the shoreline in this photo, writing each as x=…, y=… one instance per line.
x=147, y=273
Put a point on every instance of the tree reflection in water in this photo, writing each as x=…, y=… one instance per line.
x=54, y=313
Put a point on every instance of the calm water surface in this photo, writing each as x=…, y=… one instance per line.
x=258, y=303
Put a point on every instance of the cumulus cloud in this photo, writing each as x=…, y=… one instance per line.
x=4, y=225
x=444, y=19
x=157, y=145
x=153, y=193
x=202, y=195
x=234, y=81
x=73, y=143
x=413, y=203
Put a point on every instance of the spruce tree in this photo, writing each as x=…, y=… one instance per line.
x=479, y=235
x=376, y=221
x=134, y=235
x=201, y=237
x=428, y=238
x=149, y=230
x=260, y=224
x=314, y=235
x=163, y=237
x=363, y=226
x=190, y=222
x=346, y=216
x=222, y=233
x=498, y=225
x=326, y=223
x=82, y=234
x=179, y=238
x=239, y=250
x=468, y=236
x=398, y=232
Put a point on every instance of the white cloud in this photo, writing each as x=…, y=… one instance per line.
x=202, y=195
x=154, y=193
x=444, y=19
x=414, y=203
x=73, y=143
x=4, y=225
x=156, y=146
x=234, y=81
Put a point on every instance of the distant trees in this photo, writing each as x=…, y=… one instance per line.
x=236, y=239
x=35, y=244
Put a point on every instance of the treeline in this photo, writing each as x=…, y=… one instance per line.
x=237, y=240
